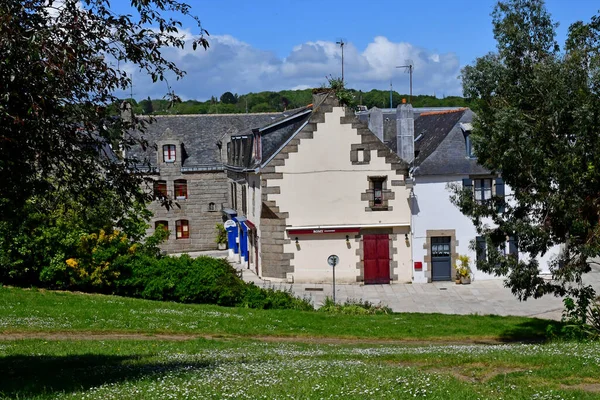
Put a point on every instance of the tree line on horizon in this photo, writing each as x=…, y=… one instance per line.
x=229, y=103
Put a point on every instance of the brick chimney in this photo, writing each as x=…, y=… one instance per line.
x=405, y=132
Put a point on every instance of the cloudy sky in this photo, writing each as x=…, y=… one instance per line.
x=291, y=44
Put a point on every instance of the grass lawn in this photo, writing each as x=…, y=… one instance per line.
x=243, y=369
x=47, y=311
x=79, y=353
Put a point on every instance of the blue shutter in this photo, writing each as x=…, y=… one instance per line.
x=500, y=194
x=467, y=183
x=513, y=247
x=480, y=248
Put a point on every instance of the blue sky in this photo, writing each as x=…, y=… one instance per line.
x=285, y=44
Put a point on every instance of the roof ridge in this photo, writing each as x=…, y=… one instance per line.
x=210, y=115
x=425, y=114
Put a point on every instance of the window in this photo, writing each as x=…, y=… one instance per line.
x=244, y=201
x=212, y=207
x=169, y=153
x=377, y=193
x=469, y=146
x=253, y=197
x=483, y=190
x=481, y=248
x=181, y=192
x=182, y=228
x=161, y=224
x=360, y=155
x=160, y=189
x=233, y=196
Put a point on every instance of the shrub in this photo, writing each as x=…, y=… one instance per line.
x=269, y=298
x=183, y=279
x=354, y=307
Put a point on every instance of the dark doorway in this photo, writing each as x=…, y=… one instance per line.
x=376, y=259
x=441, y=268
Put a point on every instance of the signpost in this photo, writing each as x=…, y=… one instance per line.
x=333, y=260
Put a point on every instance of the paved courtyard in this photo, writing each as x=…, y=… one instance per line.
x=479, y=297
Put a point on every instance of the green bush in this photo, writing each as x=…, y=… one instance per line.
x=354, y=307
x=271, y=299
x=184, y=279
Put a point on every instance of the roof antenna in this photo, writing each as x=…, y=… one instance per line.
x=391, y=94
x=410, y=67
x=342, y=43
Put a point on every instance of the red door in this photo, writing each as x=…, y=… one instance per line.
x=376, y=258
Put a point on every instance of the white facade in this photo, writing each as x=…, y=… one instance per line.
x=433, y=212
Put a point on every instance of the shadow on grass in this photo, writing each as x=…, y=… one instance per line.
x=29, y=376
x=534, y=330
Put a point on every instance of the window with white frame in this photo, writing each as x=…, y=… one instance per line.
x=483, y=189
x=169, y=151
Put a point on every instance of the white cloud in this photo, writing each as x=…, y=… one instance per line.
x=233, y=65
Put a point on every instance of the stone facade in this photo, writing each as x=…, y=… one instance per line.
x=207, y=194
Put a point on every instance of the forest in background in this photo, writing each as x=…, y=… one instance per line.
x=229, y=103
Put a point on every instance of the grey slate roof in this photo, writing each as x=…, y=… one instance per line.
x=199, y=135
x=442, y=148
x=274, y=137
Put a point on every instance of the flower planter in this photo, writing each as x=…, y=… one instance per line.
x=221, y=246
x=457, y=281
x=465, y=281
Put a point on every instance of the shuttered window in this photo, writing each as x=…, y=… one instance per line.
x=181, y=190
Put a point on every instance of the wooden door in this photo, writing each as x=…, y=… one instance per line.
x=441, y=261
x=376, y=259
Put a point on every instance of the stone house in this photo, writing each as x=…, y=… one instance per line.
x=183, y=160
x=320, y=183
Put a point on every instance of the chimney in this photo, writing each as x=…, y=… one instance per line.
x=405, y=132
x=376, y=122
x=126, y=112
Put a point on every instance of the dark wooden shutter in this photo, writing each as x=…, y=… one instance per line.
x=480, y=248
x=513, y=248
x=500, y=194
x=468, y=183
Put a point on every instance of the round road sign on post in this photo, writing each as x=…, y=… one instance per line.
x=333, y=260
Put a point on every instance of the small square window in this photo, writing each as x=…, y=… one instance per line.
x=169, y=153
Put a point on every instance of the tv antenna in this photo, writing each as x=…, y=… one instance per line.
x=408, y=67
x=342, y=43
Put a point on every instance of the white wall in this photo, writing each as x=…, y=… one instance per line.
x=435, y=211
x=322, y=187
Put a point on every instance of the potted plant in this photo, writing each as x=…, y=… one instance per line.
x=463, y=272
x=221, y=238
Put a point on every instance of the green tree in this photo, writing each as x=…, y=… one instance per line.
x=538, y=124
x=147, y=107
x=60, y=72
x=228, y=98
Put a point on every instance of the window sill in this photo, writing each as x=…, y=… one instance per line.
x=379, y=208
x=181, y=198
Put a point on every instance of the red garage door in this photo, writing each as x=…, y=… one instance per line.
x=377, y=258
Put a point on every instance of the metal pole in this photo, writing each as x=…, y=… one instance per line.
x=342, y=43
x=410, y=69
x=334, y=283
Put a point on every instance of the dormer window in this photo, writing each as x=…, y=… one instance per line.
x=169, y=153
